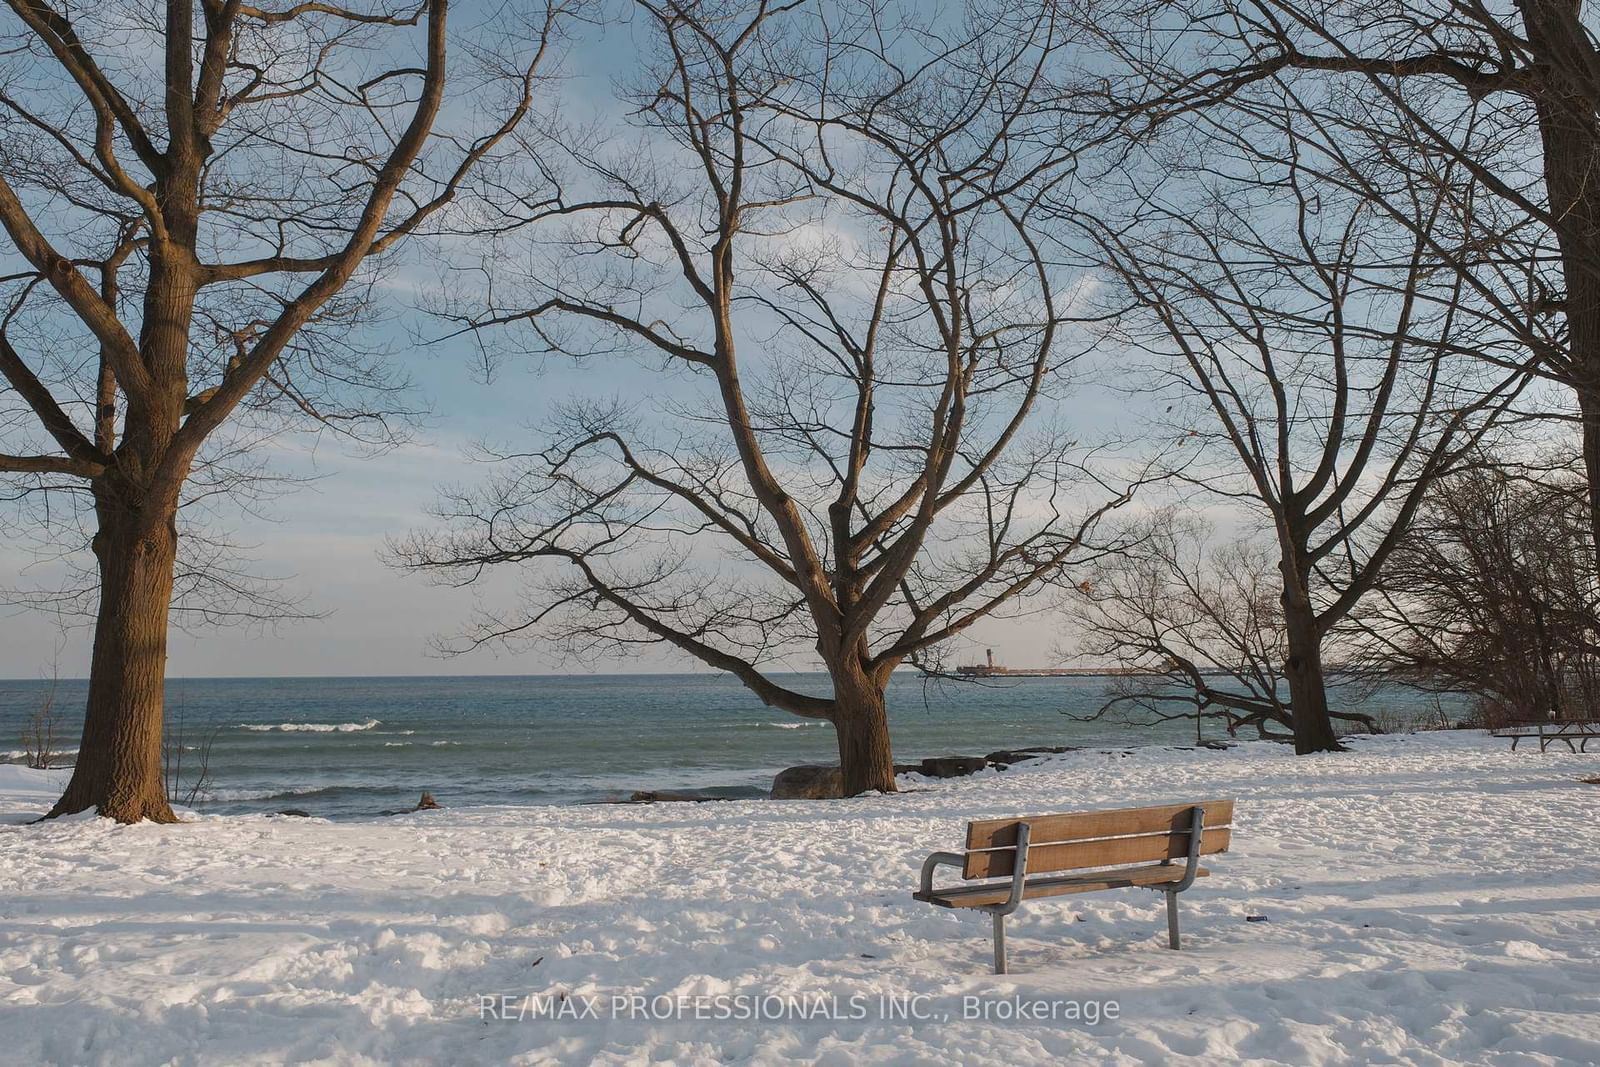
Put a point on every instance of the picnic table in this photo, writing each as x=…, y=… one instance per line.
x=1574, y=732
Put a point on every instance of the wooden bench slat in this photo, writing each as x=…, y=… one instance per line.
x=1095, y=852
x=1002, y=833
x=978, y=896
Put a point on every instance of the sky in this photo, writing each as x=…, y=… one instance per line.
x=326, y=537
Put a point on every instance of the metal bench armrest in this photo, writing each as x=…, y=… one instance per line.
x=1019, y=874
x=1197, y=829
x=938, y=859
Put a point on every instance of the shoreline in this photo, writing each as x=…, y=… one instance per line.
x=355, y=748
x=920, y=775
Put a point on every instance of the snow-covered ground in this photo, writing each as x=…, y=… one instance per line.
x=1428, y=899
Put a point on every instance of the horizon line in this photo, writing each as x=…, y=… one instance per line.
x=1089, y=672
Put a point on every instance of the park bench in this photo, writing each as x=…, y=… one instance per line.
x=1008, y=861
x=1550, y=731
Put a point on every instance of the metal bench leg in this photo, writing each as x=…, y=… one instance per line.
x=999, y=943
x=1172, y=919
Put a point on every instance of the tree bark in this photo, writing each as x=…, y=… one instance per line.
x=1589, y=411
x=861, y=721
x=1308, y=690
x=119, y=763
x=1569, y=132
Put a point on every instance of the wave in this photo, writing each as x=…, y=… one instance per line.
x=235, y=796
x=21, y=754
x=794, y=725
x=314, y=727
x=227, y=796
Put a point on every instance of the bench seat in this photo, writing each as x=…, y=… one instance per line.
x=982, y=896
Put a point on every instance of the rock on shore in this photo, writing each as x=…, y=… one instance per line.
x=811, y=781
x=808, y=781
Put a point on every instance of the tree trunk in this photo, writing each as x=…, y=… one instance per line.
x=1570, y=136
x=1308, y=690
x=861, y=721
x=1589, y=409
x=119, y=763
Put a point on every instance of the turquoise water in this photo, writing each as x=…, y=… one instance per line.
x=358, y=746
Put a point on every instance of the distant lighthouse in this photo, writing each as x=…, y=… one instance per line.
x=990, y=669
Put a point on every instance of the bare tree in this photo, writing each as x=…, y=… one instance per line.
x=1195, y=628
x=1507, y=97
x=197, y=200
x=186, y=760
x=826, y=248
x=41, y=735
x=1490, y=593
x=1330, y=364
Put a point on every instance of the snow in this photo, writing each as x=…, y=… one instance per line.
x=1427, y=899
x=25, y=794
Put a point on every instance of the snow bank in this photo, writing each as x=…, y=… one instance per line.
x=1428, y=900
x=26, y=794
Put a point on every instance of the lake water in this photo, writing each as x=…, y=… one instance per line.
x=357, y=746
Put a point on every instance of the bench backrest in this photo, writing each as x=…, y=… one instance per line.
x=1095, y=838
